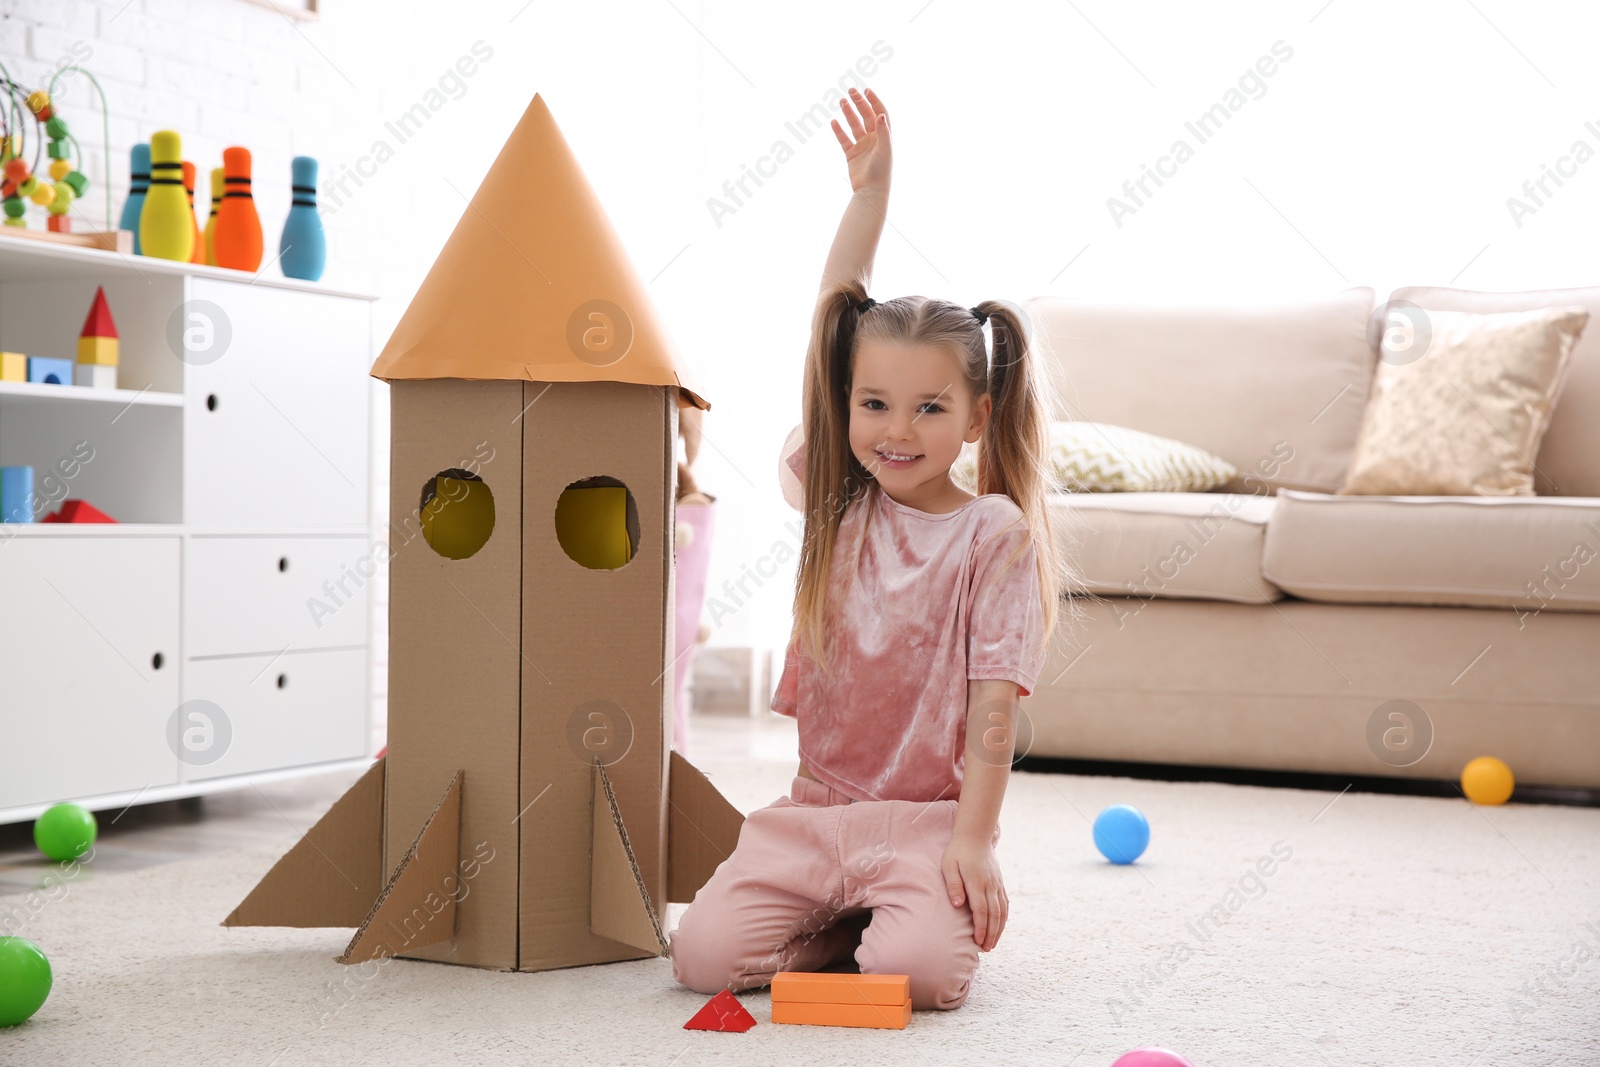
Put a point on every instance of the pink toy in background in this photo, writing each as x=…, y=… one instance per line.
x=1152, y=1057
x=696, y=521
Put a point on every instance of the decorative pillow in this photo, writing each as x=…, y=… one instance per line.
x=1096, y=457
x=1461, y=401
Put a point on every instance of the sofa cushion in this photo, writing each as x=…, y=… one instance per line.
x=1276, y=389
x=1092, y=457
x=1184, y=545
x=1565, y=465
x=1525, y=553
x=1461, y=411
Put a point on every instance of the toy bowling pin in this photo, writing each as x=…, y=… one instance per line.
x=303, y=248
x=238, y=237
x=198, y=253
x=166, y=227
x=211, y=223
x=139, y=162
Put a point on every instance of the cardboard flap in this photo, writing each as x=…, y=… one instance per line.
x=619, y=906
x=333, y=874
x=702, y=829
x=418, y=906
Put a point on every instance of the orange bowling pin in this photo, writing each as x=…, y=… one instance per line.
x=164, y=230
x=238, y=236
x=198, y=254
x=211, y=223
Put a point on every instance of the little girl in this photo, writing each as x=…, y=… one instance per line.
x=922, y=613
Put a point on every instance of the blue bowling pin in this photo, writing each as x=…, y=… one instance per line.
x=303, y=248
x=134, y=205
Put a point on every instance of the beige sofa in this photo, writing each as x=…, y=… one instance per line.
x=1272, y=624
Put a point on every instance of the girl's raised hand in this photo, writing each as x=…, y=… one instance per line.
x=868, y=155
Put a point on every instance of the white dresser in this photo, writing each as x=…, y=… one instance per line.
x=217, y=634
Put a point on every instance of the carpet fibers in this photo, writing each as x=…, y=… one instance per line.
x=1390, y=930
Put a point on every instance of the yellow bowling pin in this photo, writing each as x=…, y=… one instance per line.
x=166, y=223
x=217, y=179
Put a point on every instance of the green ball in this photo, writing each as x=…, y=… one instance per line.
x=65, y=832
x=24, y=980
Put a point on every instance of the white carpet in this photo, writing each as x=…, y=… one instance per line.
x=1402, y=931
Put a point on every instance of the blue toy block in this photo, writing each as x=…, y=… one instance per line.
x=50, y=371
x=16, y=494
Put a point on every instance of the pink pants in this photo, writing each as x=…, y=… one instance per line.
x=816, y=878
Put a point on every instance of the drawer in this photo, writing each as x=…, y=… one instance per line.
x=263, y=713
x=258, y=594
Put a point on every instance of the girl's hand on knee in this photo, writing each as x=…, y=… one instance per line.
x=972, y=876
x=868, y=155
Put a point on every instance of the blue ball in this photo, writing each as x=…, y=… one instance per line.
x=1121, y=833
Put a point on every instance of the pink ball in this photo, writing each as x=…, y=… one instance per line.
x=1152, y=1057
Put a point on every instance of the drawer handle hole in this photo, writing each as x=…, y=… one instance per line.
x=283, y=563
x=156, y=661
x=211, y=402
x=283, y=680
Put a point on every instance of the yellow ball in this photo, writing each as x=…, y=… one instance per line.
x=60, y=168
x=43, y=194
x=1487, y=780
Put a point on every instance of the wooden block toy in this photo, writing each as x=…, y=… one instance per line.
x=77, y=511
x=97, y=343
x=877, y=1016
x=95, y=375
x=834, y=999
x=49, y=371
x=724, y=1013
x=13, y=367
x=16, y=494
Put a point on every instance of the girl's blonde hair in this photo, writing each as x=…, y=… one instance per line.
x=1013, y=454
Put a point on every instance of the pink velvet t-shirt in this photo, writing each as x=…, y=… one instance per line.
x=927, y=605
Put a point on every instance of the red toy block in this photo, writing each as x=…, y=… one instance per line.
x=78, y=511
x=99, y=322
x=722, y=1012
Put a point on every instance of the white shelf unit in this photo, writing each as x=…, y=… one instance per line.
x=237, y=462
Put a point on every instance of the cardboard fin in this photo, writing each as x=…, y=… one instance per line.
x=702, y=829
x=619, y=906
x=333, y=873
x=424, y=872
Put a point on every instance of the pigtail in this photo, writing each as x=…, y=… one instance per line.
x=1014, y=452
x=833, y=477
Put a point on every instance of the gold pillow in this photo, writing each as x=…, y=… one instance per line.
x=1461, y=401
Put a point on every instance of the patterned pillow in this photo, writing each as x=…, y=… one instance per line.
x=1096, y=457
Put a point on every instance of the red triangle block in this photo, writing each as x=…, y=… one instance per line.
x=722, y=1012
x=99, y=323
x=78, y=511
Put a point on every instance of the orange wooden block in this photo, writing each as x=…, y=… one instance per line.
x=812, y=987
x=842, y=999
x=883, y=1016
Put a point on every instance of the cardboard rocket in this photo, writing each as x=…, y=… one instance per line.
x=529, y=812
